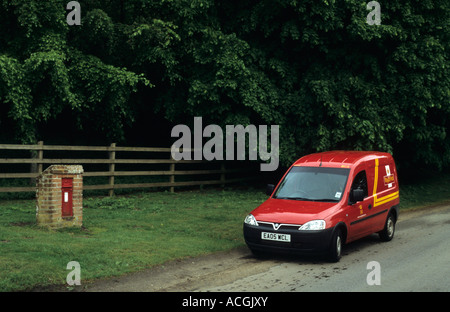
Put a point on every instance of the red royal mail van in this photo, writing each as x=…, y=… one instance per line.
x=325, y=200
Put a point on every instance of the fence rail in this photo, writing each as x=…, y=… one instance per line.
x=37, y=162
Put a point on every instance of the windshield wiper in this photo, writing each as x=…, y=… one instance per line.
x=300, y=198
x=295, y=198
x=325, y=200
x=310, y=199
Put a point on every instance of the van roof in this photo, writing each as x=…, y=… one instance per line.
x=341, y=159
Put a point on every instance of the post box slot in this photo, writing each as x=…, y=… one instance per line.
x=67, y=191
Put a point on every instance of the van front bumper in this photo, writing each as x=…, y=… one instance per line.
x=301, y=242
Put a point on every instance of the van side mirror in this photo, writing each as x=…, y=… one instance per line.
x=356, y=195
x=269, y=189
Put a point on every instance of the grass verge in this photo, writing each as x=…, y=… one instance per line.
x=120, y=234
x=130, y=233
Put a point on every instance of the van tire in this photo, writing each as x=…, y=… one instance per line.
x=388, y=231
x=337, y=241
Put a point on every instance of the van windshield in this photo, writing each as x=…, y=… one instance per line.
x=313, y=184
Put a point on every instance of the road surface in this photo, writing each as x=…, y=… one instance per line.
x=417, y=259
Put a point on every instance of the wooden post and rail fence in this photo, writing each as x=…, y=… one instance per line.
x=38, y=163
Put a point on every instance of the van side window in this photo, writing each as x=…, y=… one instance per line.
x=360, y=182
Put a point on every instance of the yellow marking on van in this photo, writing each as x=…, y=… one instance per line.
x=375, y=182
x=384, y=199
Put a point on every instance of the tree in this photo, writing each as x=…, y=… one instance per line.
x=316, y=68
x=42, y=74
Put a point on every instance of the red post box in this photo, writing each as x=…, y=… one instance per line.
x=67, y=191
x=59, y=196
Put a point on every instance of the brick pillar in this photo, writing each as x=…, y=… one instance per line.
x=50, y=196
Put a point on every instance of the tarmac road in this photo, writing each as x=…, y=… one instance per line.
x=417, y=259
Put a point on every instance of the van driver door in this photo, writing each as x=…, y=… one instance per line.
x=359, y=212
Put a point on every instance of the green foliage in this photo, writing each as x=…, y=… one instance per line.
x=316, y=68
x=42, y=75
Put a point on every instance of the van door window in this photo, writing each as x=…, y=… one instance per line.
x=360, y=182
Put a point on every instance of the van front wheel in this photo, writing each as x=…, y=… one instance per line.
x=336, y=246
x=389, y=228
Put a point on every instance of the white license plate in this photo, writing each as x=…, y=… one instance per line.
x=276, y=237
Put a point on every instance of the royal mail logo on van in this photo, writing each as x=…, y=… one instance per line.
x=388, y=179
x=388, y=170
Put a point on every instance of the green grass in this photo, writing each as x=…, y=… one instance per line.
x=130, y=233
x=424, y=190
x=120, y=234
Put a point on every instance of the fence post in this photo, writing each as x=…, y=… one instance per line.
x=172, y=174
x=222, y=174
x=40, y=157
x=36, y=167
x=112, y=167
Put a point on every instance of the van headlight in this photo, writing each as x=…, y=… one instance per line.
x=250, y=220
x=313, y=225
